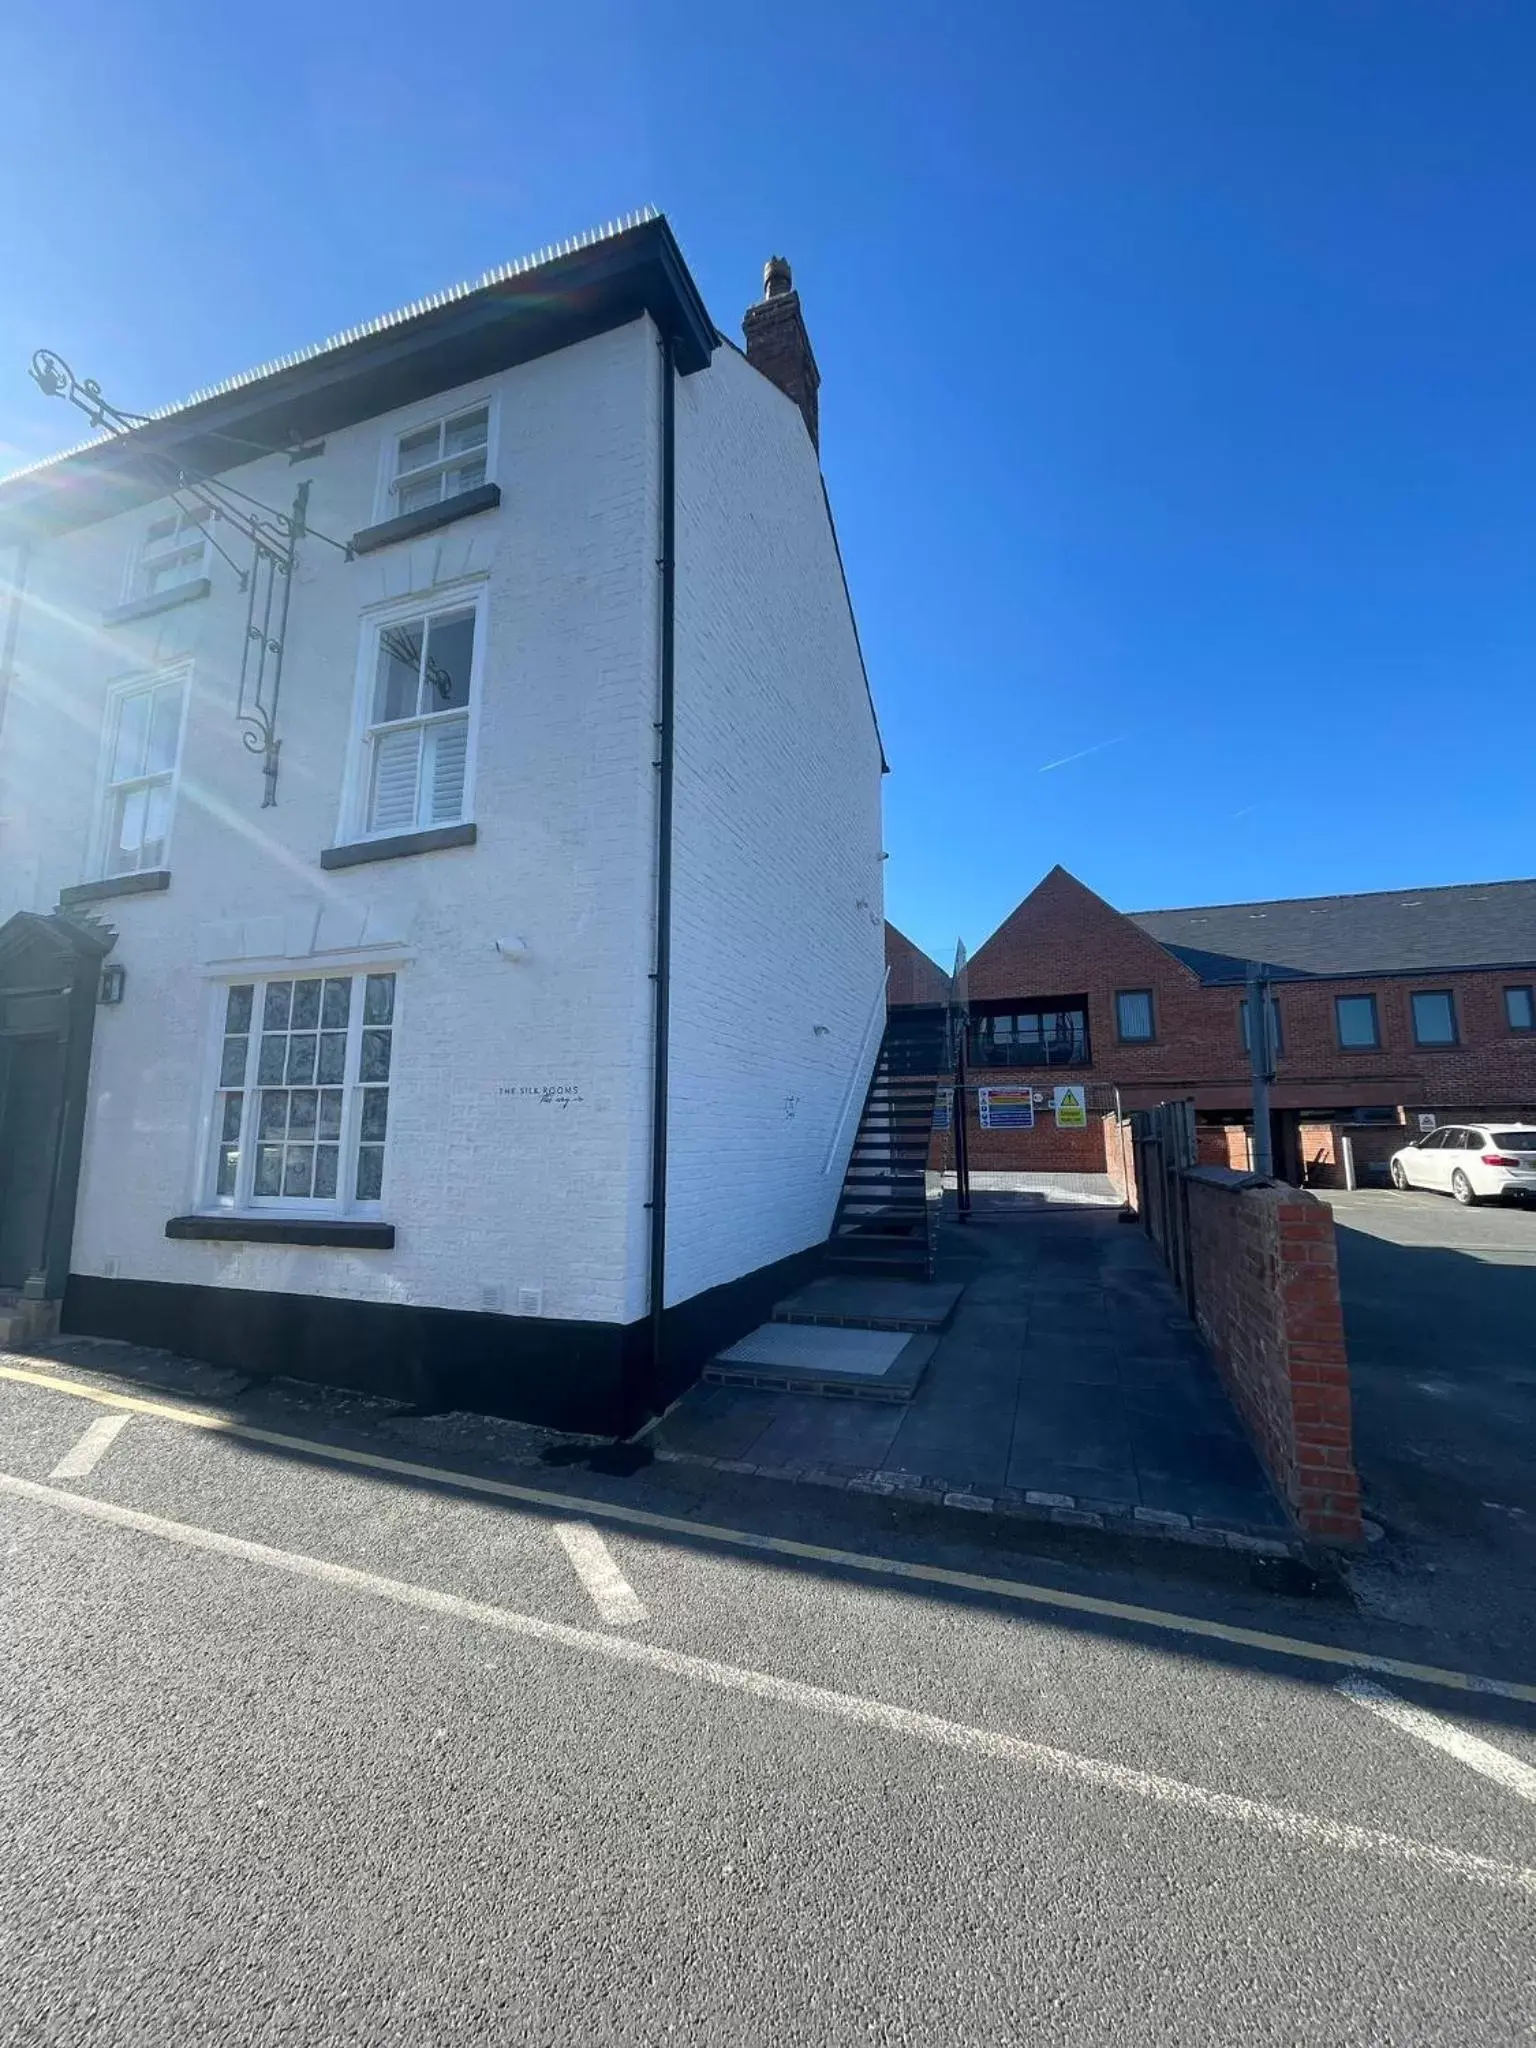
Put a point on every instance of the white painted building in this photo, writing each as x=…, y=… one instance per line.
x=379, y=1102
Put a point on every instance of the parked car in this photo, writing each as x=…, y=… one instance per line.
x=1473, y=1162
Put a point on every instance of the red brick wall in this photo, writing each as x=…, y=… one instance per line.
x=1045, y=1149
x=1322, y=1156
x=1266, y=1287
x=1120, y=1160
x=914, y=978
x=1224, y=1145
x=1063, y=940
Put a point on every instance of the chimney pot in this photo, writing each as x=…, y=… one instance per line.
x=777, y=278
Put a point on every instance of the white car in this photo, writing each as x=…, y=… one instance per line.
x=1473, y=1162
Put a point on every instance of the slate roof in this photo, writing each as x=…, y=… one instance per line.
x=1391, y=931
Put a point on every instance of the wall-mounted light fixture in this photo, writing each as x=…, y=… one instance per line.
x=512, y=949
x=113, y=981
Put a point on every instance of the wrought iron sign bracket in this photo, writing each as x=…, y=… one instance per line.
x=273, y=538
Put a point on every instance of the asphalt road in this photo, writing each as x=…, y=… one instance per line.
x=305, y=1752
x=1440, y=1312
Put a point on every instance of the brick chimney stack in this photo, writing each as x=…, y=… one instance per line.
x=778, y=345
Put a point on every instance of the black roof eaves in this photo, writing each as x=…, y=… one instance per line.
x=1422, y=971
x=1338, y=896
x=572, y=296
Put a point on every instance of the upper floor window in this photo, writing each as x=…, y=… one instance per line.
x=1434, y=1016
x=174, y=551
x=143, y=750
x=1052, y=1034
x=420, y=675
x=1358, y=1026
x=1133, y=1016
x=301, y=1105
x=1520, y=1009
x=441, y=461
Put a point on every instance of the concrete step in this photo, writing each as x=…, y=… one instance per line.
x=803, y=1358
x=873, y=1301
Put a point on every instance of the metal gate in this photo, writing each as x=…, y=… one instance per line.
x=1164, y=1144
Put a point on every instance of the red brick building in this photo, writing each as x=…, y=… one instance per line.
x=1390, y=1007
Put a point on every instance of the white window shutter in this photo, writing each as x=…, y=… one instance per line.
x=392, y=800
x=450, y=749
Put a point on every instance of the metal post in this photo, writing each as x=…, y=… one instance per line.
x=957, y=1119
x=960, y=1012
x=1262, y=1064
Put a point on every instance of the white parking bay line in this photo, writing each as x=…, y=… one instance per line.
x=82, y=1459
x=1307, y=1830
x=1471, y=1750
x=612, y=1595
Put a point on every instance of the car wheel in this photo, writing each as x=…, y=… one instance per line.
x=1399, y=1178
x=1461, y=1188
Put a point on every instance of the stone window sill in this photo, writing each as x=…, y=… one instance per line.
x=411, y=524
x=397, y=846
x=146, y=884
x=162, y=601
x=344, y=1233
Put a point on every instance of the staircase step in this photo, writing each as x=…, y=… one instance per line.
x=872, y=1302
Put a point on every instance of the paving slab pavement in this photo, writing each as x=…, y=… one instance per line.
x=1068, y=1370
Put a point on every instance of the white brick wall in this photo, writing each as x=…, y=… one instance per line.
x=778, y=908
x=777, y=884
x=487, y=1190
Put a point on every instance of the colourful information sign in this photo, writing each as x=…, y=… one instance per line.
x=1007, y=1109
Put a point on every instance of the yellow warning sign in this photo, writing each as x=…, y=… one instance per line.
x=1071, y=1109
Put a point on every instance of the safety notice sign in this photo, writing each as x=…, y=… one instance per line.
x=1006, y=1109
x=1071, y=1108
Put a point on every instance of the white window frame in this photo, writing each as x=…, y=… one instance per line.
x=139, y=684
x=143, y=557
x=243, y=1201
x=444, y=597
x=387, y=505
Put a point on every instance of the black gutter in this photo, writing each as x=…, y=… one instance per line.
x=665, y=759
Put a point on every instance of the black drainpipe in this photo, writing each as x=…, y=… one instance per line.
x=662, y=976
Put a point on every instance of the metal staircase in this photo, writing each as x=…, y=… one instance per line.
x=884, y=1221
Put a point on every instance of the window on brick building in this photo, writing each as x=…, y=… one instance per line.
x=1520, y=1009
x=1277, y=1036
x=1046, y=1034
x=301, y=1106
x=1133, y=1016
x=1356, y=1022
x=1434, y=1016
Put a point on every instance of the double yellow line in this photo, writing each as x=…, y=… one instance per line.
x=785, y=1546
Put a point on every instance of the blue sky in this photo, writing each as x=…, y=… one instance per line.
x=1179, y=374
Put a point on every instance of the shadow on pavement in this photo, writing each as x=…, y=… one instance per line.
x=1442, y=1348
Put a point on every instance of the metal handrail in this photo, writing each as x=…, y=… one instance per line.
x=863, y=1067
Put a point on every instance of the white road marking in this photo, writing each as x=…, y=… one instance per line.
x=1471, y=1750
x=1310, y=1830
x=612, y=1595
x=897, y=1570
x=77, y=1463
